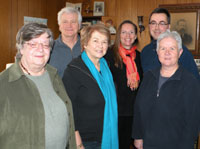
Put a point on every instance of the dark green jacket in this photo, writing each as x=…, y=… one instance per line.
x=22, y=122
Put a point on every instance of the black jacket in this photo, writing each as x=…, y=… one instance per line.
x=125, y=96
x=169, y=117
x=87, y=100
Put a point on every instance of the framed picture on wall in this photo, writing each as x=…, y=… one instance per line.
x=98, y=9
x=185, y=19
x=77, y=6
x=186, y=25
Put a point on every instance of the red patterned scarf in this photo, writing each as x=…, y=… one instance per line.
x=132, y=75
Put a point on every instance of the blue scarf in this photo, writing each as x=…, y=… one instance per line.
x=106, y=84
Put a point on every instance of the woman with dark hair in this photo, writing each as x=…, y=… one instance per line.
x=124, y=61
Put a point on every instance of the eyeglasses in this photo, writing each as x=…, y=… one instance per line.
x=35, y=45
x=160, y=24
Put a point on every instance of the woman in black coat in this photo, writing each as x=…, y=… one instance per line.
x=90, y=86
x=124, y=62
x=167, y=113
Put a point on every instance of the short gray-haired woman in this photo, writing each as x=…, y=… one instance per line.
x=167, y=113
x=35, y=111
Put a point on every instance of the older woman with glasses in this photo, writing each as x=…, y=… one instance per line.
x=35, y=111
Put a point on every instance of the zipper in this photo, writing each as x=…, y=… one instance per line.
x=158, y=93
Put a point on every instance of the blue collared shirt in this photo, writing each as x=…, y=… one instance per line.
x=62, y=55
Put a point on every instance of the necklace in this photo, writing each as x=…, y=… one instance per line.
x=25, y=68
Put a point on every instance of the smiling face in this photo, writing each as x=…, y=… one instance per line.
x=159, y=25
x=168, y=53
x=69, y=25
x=127, y=35
x=97, y=46
x=35, y=53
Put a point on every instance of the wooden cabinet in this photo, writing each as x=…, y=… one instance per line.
x=88, y=20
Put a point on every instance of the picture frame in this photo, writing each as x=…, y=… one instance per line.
x=185, y=19
x=98, y=8
x=28, y=19
x=77, y=6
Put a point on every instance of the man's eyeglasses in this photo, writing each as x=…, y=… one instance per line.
x=160, y=24
x=35, y=45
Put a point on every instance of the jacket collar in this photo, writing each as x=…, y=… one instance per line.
x=15, y=72
x=176, y=76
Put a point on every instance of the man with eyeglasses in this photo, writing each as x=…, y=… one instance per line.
x=159, y=22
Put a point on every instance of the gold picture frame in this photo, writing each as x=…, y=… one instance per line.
x=185, y=20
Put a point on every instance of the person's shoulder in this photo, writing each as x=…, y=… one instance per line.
x=58, y=43
x=152, y=72
x=4, y=75
x=76, y=68
x=146, y=48
x=186, y=53
x=76, y=61
x=51, y=68
x=188, y=76
x=137, y=51
x=184, y=47
x=57, y=50
x=149, y=45
x=109, y=54
x=5, y=81
x=76, y=64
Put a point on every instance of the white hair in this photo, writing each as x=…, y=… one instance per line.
x=172, y=34
x=69, y=10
